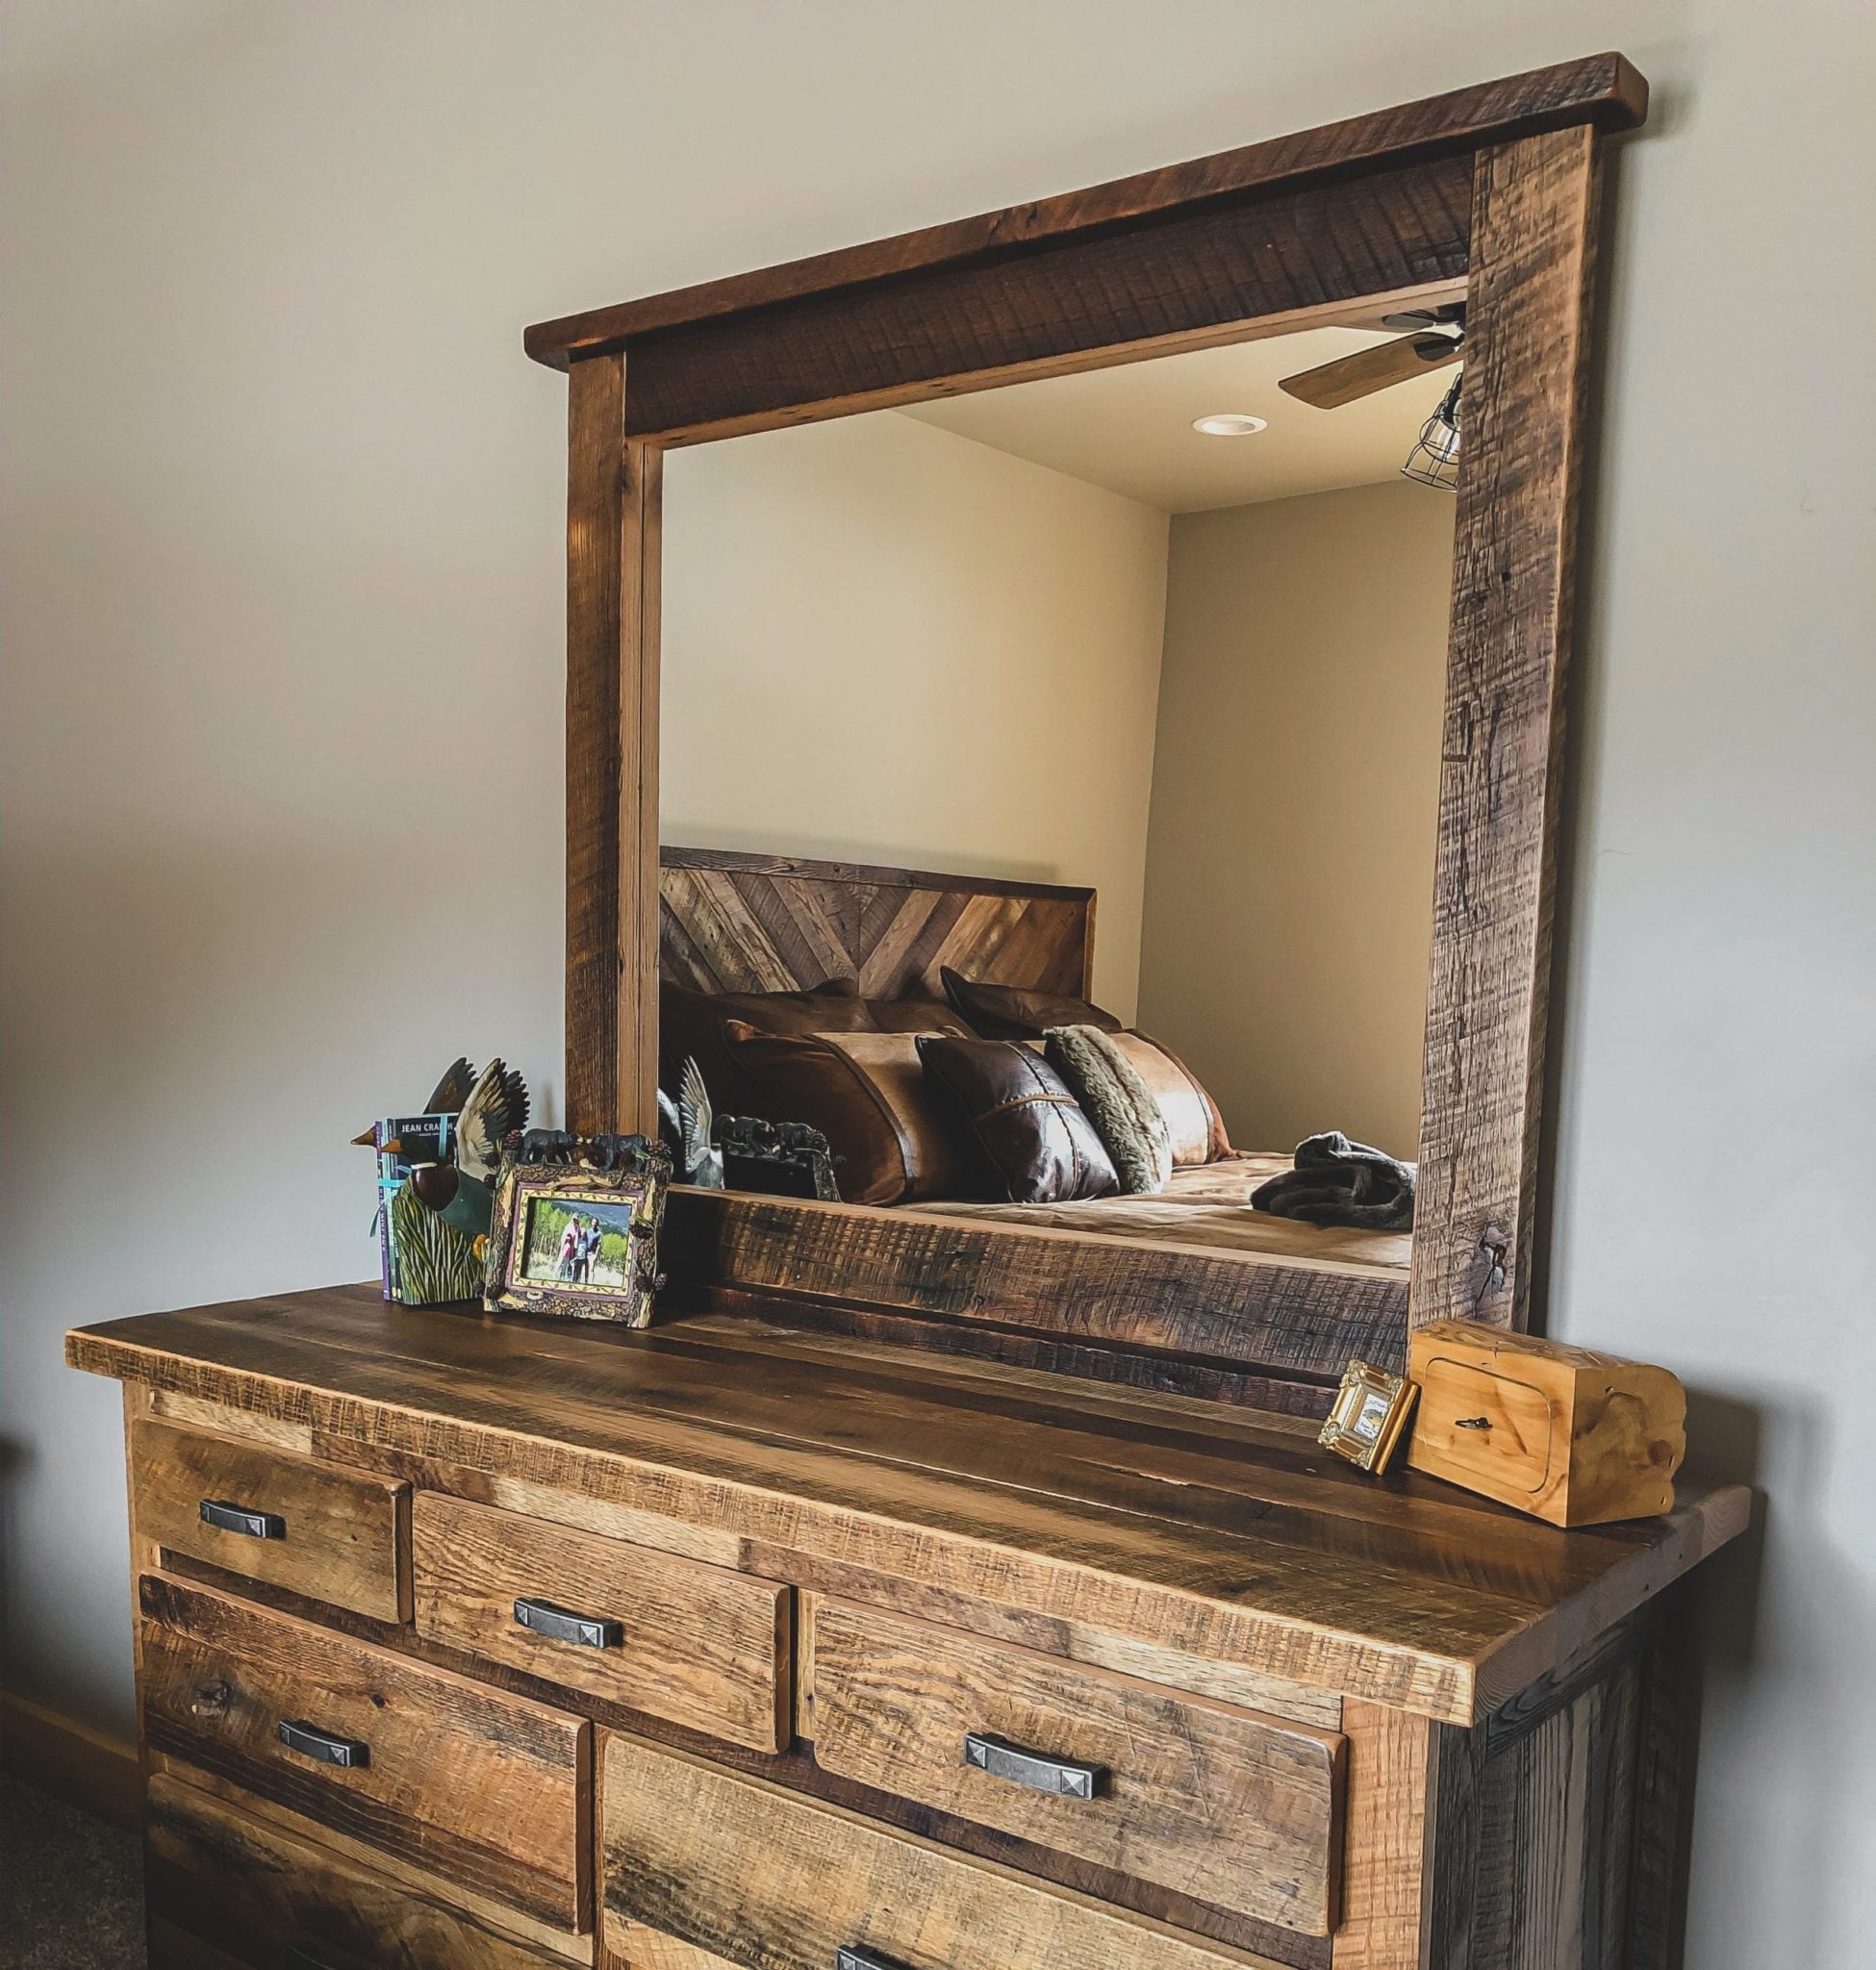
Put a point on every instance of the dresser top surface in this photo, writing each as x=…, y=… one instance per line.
x=1224, y=1532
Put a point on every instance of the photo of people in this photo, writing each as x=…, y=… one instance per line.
x=578, y=1243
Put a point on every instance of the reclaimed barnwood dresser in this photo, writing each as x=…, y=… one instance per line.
x=490, y=1642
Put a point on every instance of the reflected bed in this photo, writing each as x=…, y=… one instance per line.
x=734, y=923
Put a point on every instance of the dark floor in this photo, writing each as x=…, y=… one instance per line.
x=71, y=1888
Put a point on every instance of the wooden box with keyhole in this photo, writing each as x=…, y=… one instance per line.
x=1571, y=1436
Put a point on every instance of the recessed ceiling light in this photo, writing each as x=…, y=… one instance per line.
x=1228, y=424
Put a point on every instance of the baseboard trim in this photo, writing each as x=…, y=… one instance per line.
x=72, y=1760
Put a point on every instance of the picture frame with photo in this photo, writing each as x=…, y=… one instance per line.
x=575, y=1225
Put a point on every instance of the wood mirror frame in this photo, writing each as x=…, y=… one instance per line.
x=1493, y=191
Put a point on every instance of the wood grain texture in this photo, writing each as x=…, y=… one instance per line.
x=1567, y=1434
x=742, y=1870
x=634, y=1947
x=1016, y=1351
x=1277, y=1318
x=1556, y=1827
x=1600, y=89
x=1232, y=1808
x=1186, y=280
x=1385, y=1843
x=347, y=1532
x=614, y=504
x=566, y=1945
x=1521, y=407
x=795, y=1769
x=1217, y=1534
x=1667, y=1733
x=253, y=1890
x=468, y=1783
x=703, y=1647
x=1227, y=1682
x=734, y=923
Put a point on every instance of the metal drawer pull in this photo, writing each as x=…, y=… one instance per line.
x=238, y=1518
x=310, y=1741
x=563, y=1625
x=851, y=1957
x=1472, y=1422
x=1065, y=1777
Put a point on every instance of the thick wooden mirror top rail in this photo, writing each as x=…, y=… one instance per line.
x=1492, y=193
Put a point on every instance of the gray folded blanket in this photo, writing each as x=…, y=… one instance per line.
x=1339, y=1182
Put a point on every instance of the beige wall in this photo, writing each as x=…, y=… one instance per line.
x=1295, y=796
x=282, y=530
x=887, y=643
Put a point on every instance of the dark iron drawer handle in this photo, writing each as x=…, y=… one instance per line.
x=851, y=1957
x=1472, y=1422
x=310, y=1741
x=238, y=1518
x=1064, y=1778
x=561, y=1625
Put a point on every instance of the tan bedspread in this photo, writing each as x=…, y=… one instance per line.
x=1208, y=1205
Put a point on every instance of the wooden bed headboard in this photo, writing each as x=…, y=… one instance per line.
x=733, y=923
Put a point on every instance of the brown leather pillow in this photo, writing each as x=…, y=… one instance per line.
x=915, y=1016
x=867, y=1093
x=692, y=1022
x=1191, y=1118
x=1015, y=1012
x=1033, y=1142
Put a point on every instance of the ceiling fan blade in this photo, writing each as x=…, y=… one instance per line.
x=1448, y=315
x=1368, y=370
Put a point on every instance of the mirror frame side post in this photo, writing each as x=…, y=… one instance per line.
x=615, y=489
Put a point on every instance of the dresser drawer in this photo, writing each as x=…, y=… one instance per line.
x=474, y=1785
x=1224, y=1805
x=702, y=1867
x=693, y=1643
x=332, y=1535
x=222, y=1879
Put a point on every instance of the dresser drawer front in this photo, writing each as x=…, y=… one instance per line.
x=332, y=1535
x=476, y=1785
x=737, y=1871
x=1223, y=1805
x=262, y=1896
x=693, y=1643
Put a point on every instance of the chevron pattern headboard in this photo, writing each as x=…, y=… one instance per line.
x=731, y=922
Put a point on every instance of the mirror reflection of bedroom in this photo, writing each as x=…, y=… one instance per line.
x=1072, y=864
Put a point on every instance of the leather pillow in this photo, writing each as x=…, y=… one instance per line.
x=1191, y=1118
x=1015, y=1012
x=692, y=1022
x=1034, y=1145
x=915, y=1016
x=867, y=1093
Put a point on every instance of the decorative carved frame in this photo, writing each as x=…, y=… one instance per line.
x=1493, y=191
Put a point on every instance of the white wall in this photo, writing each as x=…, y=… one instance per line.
x=1295, y=806
x=282, y=510
x=885, y=643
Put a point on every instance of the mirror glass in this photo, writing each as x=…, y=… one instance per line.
x=1045, y=709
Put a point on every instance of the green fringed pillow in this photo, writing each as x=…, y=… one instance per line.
x=1117, y=1100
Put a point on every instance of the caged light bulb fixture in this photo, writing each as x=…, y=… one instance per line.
x=1434, y=460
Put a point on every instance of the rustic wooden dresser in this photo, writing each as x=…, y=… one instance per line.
x=479, y=1641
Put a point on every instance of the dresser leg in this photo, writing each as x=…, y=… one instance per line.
x=1664, y=1790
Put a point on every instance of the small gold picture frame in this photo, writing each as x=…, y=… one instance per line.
x=1370, y=1416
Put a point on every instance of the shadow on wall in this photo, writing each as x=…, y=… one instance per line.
x=1715, y=1621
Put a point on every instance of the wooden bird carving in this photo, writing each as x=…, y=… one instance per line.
x=496, y=1105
